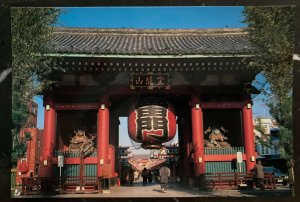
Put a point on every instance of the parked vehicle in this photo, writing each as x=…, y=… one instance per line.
x=280, y=177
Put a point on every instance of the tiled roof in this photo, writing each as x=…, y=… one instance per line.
x=150, y=41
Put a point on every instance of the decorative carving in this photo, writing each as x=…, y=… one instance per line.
x=80, y=142
x=216, y=138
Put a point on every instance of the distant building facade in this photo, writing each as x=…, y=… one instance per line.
x=28, y=165
x=31, y=122
x=267, y=142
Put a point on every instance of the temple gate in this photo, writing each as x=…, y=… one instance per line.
x=205, y=74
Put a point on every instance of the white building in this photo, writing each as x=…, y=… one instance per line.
x=267, y=141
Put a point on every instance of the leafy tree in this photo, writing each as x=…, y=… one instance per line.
x=30, y=29
x=271, y=31
x=283, y=114
x=263, y=139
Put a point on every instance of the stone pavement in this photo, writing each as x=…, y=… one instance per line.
x=137, y=190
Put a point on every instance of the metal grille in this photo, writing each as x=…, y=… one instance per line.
x=90, y=170
x=224, y=167
x=68, y=170
x=232, y=150
x=72, y=154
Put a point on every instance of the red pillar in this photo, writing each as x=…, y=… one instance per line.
x=102, y=137
x=111, y=156
x=46, y=165
x=197, y=137
x=249, y=136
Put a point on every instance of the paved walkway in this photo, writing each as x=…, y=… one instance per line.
x=137, y=190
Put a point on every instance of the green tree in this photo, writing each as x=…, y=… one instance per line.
x=283, y=114
x=30, y=29
x=271, y=31
x=263, y=139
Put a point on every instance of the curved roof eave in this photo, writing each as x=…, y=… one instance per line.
x=85, y=55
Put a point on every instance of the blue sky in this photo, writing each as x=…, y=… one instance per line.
x=153, y=18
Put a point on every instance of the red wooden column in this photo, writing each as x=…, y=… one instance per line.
x=46, y=165
x=249, y=136
x=197, y=136
x=102, y=137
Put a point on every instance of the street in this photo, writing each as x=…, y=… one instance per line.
x=137, y=190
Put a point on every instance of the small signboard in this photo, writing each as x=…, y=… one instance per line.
x=239, y=157
x=150, y=81
x=159, y=154
x=60, y=161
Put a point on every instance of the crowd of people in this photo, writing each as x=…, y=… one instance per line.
x=131, y=175
x=163, y=176
x=147, y=176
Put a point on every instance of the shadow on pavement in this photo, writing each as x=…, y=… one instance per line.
x=157, y=190
x=283, y=192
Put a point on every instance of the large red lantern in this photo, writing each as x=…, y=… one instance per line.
x=152, y=121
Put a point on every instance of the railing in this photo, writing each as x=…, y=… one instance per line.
x=213, y=180
x=231, y=150
x=75, y=181
x=40, y=185
x=37, y=185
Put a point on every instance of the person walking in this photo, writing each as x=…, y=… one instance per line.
x=124, y=176
x=131, y=176
x=150, y=176
x=144, y=176
x=259, y=175
x=164, y=174
x=136, y=175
